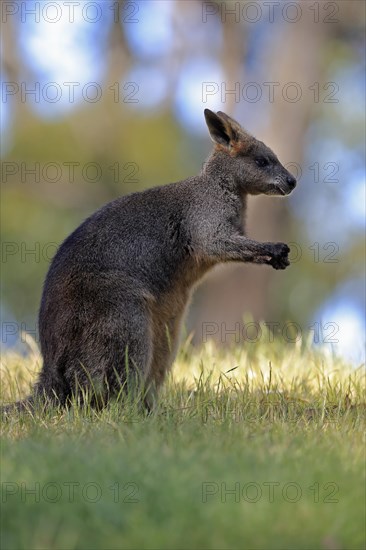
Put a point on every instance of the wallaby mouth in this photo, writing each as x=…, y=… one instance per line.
x=278, y=189
x=284, y=187
x=281, y=191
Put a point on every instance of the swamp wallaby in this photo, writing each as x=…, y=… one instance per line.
x=117, y=289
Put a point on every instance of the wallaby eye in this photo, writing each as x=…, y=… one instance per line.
x=262, y=162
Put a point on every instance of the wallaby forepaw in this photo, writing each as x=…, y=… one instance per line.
x=279, y=258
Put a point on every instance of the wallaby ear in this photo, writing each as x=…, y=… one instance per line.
x=221, y=130
x=233, y=124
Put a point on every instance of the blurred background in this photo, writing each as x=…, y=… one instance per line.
x=99, y=99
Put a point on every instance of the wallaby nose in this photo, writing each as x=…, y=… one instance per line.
x=291, y=181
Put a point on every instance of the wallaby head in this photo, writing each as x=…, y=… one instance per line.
x=253, y=166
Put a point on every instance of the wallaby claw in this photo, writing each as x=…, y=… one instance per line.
x=279, y=258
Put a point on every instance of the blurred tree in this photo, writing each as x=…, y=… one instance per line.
x=159, y=150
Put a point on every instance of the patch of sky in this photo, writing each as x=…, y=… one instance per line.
x=157, y=41
x=254, y=105
x=151, y=35
x=330, y=195
x=343, y=320
x=351, y=82
x=198, y=81
x=152, y=86
x=65, y=56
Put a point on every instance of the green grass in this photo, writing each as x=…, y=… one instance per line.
x=257, y=447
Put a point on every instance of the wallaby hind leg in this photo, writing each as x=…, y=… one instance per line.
x=114, y=352
x=166, y=340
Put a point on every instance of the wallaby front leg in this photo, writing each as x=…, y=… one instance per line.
x=240, y=249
